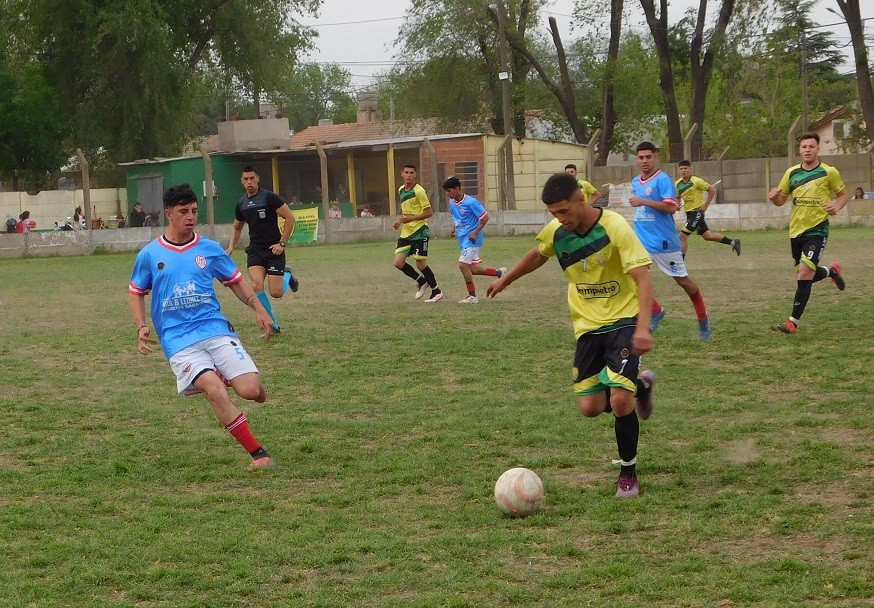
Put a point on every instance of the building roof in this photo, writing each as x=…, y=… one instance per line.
x=366, y=132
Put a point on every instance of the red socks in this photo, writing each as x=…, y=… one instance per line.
x=698, y=303
x=239, y=428
x=656, y=307
x=491, y=272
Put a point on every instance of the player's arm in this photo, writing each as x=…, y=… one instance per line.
x=780, y=194
x=641, y=341
x=236, y=231
x=483, y=220
x=594, y=197
x=665, y=205
x=426, y=213
x=137, y=305
x=246, y=295
x=530, y=262
x=840, y=202
x=711, y=192
x=287, y=228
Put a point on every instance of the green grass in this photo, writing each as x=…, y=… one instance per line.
x=391, y=420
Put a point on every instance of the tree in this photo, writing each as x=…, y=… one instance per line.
x=701, y=63
x=312, y=92
x=851, y=11
x=131, y=74
x=462, y=34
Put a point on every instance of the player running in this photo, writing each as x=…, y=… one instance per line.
x=205, y=353
x=413, y=240
x=609, y=296
x=470, y=218
x=811, y=185
x=691, y=189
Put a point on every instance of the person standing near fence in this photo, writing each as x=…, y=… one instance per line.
x=811, y=184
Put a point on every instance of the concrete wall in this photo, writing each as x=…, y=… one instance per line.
x=727, y=217
x=50, y=206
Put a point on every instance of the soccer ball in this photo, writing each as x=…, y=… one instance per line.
x=519, y=492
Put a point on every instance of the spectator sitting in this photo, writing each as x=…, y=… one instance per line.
x=334, y=212
x=859, y=193
x=366, y=212
x=78, y=220
x=151, y=220
x=25, y=224
x=137, y=216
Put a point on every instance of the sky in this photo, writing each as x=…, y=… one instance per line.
x=360, y=35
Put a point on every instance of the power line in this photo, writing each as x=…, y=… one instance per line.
x=318, y=25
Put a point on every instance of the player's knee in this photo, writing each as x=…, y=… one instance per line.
x=592, y=405
x=276, y=292
x=400, y=262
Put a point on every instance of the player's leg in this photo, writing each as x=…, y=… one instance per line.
x=276, y=274
x=678, y=272
x=691, y=227
x=194, y=369
x=402, y=252
x=257, y=267
x=466, y=264
x=718, y=237
x=807, y=252
x=419, y=252
x=235, y=366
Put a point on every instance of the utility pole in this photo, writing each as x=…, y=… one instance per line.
x=804, y=123
x=508, y=116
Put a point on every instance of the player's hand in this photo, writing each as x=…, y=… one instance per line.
x=265, y=324
x=277, y=249
x=496, y=287
x=229, y=250
x=641, y=341
x=397, y=224
x=635, y=201
x=773, y=194
x=145, y=341
x=472, y=238
x=832, y=209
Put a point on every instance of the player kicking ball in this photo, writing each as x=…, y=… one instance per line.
x=204, y=351
x=610, y=297
x=470, y=218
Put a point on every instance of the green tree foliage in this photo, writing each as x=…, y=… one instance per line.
x=449, y=59
x=311, y=92
x=135, y=78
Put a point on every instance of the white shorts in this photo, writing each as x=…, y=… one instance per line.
x=470, y=255
x=223, y=354
x=672, y=264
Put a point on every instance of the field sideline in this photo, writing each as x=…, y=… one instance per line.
x=391, y=419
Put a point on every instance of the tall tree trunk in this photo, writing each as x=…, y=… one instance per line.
x=658, y=27
x=608, y=112
x=853, y=16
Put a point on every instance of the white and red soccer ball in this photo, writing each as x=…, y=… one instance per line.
x=519, y=492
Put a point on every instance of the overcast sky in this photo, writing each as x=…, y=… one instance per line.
x=360, y=35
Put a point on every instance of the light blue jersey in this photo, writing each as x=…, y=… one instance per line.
x=467, y=215
x=184, y=308
x=656, y=229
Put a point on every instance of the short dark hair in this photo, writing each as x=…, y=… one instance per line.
x=179, y=195
x=410, y=166
x=251, y=169
x=451, y=182
x=570, y=166
x=684, y=163
x=559, y=187
x=646, y=145
x=809, y=135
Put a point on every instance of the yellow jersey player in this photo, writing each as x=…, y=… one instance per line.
x=609, y=296
x=413, y=240
x=811, y=184
x=691, y=190
x=590, y=193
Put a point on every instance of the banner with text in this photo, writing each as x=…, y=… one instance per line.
x=306, y=224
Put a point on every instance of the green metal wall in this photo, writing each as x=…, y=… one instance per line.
x=225, y=175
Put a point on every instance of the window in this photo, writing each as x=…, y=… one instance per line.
x=468, y=175
x=840, y=129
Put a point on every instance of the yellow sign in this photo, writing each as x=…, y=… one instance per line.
x=306, y=225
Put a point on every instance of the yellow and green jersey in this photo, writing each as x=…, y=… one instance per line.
x=811, y=190
x=587, y=188
x=413, y=202
x=601, y=295
x=692, y=192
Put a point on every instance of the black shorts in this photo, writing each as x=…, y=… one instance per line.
x=262, y=256
x=695, y=222
x=810, y=246
x=417, y=248
x=604, y=360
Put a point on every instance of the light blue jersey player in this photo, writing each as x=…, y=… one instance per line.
x=204, y=351
x=655, y=201
x=470, y=217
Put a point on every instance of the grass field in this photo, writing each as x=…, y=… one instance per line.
x=391, y=419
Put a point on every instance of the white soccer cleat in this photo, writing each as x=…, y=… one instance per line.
x=435, y=298
x=469, y=300
x=421, y=292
